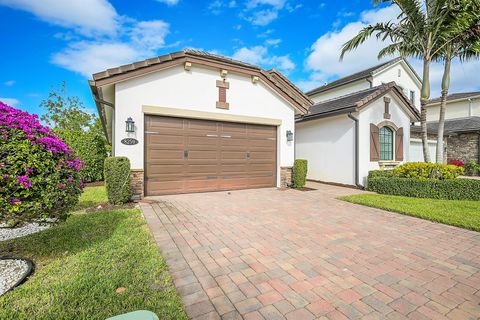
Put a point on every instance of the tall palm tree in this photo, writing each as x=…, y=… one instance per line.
x=422, y=31
x=465, y=48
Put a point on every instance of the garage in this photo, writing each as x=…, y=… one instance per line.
x=192, y=155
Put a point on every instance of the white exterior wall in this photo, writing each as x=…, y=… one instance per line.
x=328, y=144
x=455, y=109
x=374, y=114
x=196, y=90
x=406, y=80
x=341, y=91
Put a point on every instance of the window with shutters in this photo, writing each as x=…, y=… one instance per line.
x=386, y=143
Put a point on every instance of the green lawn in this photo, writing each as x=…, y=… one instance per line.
x=464, y=214
x=80, y=264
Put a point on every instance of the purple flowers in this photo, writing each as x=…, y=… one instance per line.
x=15, y=119
x=15, y=201
x=24, y=182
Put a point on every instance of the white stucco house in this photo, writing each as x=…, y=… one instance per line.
x=201, y=122
x=343, y=138
x=359, y=123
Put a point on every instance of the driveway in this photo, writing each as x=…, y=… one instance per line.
x=273, y=254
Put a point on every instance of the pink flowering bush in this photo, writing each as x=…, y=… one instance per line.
x=39, y=176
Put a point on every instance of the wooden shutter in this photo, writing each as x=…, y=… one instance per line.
x=374, y=143
x=399, y=145
x=222, y=94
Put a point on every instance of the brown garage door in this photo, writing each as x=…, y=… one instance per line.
x=189, y=155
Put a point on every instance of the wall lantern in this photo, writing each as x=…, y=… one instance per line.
x=289, y=135
x=130, y=125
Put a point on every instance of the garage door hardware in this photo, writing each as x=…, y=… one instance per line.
x=212, y=135
x=248, y=155
x=185, y=154
x=151, y=132
x=226, y=136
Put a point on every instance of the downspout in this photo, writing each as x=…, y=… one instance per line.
x=357, y=156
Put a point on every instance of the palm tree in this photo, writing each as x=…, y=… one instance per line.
x=423, y=29
x=465, y=48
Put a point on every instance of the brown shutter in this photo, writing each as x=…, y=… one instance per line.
x=399, y=145
x=374, y=143
x=222, y=94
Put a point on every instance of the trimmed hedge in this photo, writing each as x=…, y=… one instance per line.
x=299, y=173
x=449, y=189
x=90, y=147
x=117, y=179
x=380, y=173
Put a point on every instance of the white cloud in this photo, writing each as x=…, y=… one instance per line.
x=87, y=58
x=10, y=101
x=215, y=7
x=325, y=65
x=9, y=83
x=259, y=55
x=273, y=42
x=87, y=17
x=263, y=12
x=263, y=17
x=278, y=4
x=169, y=2
x=150, y=34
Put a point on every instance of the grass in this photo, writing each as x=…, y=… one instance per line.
x=459, y=213
x=81, y=262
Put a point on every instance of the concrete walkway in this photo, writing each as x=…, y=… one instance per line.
x=272, y=254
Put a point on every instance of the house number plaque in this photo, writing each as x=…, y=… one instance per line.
x=129, y=141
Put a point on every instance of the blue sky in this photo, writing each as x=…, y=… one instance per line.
x=46, y=42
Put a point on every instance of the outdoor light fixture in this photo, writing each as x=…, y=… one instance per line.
x=130, y=125
x=289, y=135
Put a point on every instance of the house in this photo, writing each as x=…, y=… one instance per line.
x=346, y=136
x=461, y=133
x=359, y=123
x=193, y=121
x=397, y=70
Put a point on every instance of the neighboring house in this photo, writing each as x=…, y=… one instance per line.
x=202, y=122
x=397, y=70
x=462, y=129
x=345, y=137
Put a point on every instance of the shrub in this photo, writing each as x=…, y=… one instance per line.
x=457, y=163
x=425, y=170
x=117, y=179
x=40, y=177
x=472, y=168
x=299, y=173
x=380, y=173
x=90, y=147
x=450, y=189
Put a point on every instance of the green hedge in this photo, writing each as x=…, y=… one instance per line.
x=117, y=179
x=380, y=173
x=450, y=189
x=91, y=148
x=299, y=173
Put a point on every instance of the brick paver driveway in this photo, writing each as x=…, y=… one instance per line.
x=303, y=255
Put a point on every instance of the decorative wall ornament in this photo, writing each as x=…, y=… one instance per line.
x=222, y=94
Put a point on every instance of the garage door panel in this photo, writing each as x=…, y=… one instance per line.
x=217, y=157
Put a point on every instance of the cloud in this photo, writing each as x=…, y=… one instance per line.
x=323, y=60
x=150, y=34
x=10, y=101
x=169, y=2
x=263, y=12
x=216, y=7
x=9, y=83
x=324, y=64
x=273, y=42
x=86, y=17
x=259, y=55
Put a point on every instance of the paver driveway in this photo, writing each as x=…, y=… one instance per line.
x=290, y=254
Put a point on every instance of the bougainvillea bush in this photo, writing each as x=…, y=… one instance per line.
x=40, y=179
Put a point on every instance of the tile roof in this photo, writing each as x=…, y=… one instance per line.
x=457, y=96
x=467, y=124
x=353, y=102
x=364, y=74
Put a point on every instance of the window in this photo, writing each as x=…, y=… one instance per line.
x=386, y=143
x=412, y=96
